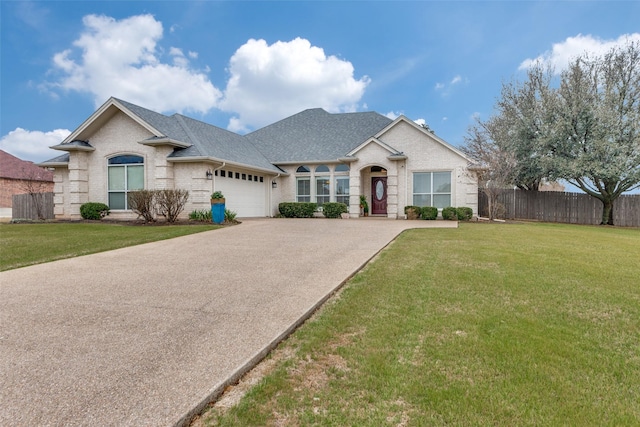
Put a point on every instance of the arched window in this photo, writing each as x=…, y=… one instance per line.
x=342, y=168
x=322, y=169
x=377, y=169
x=125, y=174
x=303, y=184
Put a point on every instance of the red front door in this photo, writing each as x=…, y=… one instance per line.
x=379, y=195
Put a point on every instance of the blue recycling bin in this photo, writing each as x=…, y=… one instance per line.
x=217, y=211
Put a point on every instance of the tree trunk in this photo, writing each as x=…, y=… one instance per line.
x=607, y=211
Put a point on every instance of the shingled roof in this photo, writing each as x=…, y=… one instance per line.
x=312, y=135
x=316, y=135
x=12, y=167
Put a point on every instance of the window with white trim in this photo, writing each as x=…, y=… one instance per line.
x=342, y=183
x=342, y=189
x=125, y=174
x=303, y=189
x=323, y=185
x=432, y=189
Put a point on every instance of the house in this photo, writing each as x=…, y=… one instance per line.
x=311, y=156
x=18, y=176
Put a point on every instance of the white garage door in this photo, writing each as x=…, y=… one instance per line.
x=244, y=193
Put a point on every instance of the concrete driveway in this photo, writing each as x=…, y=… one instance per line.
x=146, y=335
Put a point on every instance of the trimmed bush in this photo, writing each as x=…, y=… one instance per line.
x=170, y=203
x=333, y=210
x=94, y=210
x=464, y=213
x=412, y=212
x=429, y=212
x=297, y=209
x=449, y=213
x=143, y=202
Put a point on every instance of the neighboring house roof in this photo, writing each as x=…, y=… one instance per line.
x=12, y=167
x=316, y=135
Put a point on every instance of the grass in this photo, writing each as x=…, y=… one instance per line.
x=489, y=324
x=27, y=244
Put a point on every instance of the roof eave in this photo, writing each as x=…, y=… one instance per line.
x=165, y=141
x=53, y=164
x=313, y=162
x=71, y=147
x=214, y=160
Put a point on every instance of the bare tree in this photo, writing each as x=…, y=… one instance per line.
x=143, y=203
x=171, y=203
x=35, y=184
x=495, y=165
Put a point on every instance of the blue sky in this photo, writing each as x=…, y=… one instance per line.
x=241, y=65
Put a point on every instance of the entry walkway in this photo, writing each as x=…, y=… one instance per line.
x=146, y=335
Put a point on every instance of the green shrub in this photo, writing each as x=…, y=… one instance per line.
x=217, y=195
x=93, y=210
x=333, y=210
x=449, y=213
x=297, y=209
x=412, y=212
x=229, y=216
x=429, y=212
x=464, y=213
x=203, y=215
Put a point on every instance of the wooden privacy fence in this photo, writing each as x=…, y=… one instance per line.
x=24, y=206
x=573, y=208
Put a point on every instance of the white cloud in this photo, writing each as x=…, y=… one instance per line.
x=33, y=145
x=393, y=115
x=561, y=54
x=120, y=58
x=420, y=122
x=270, y=82
x=445, y=89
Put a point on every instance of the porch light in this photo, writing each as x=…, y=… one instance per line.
x=209, y=174
x=274, y=184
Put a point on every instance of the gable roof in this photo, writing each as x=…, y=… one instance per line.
x=432, y=135
x=315, y=135
x=12, y=167
x=311, y=136
x=192, y=139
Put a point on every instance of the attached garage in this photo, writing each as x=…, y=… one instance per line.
x=246, y=192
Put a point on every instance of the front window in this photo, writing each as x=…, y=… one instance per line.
x=323, y=191
x=342, y=190
x=432, y=189
x=126, y=173
x=303, y=189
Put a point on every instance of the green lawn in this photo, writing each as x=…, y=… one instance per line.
x=489, y=325
x=27, y=244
